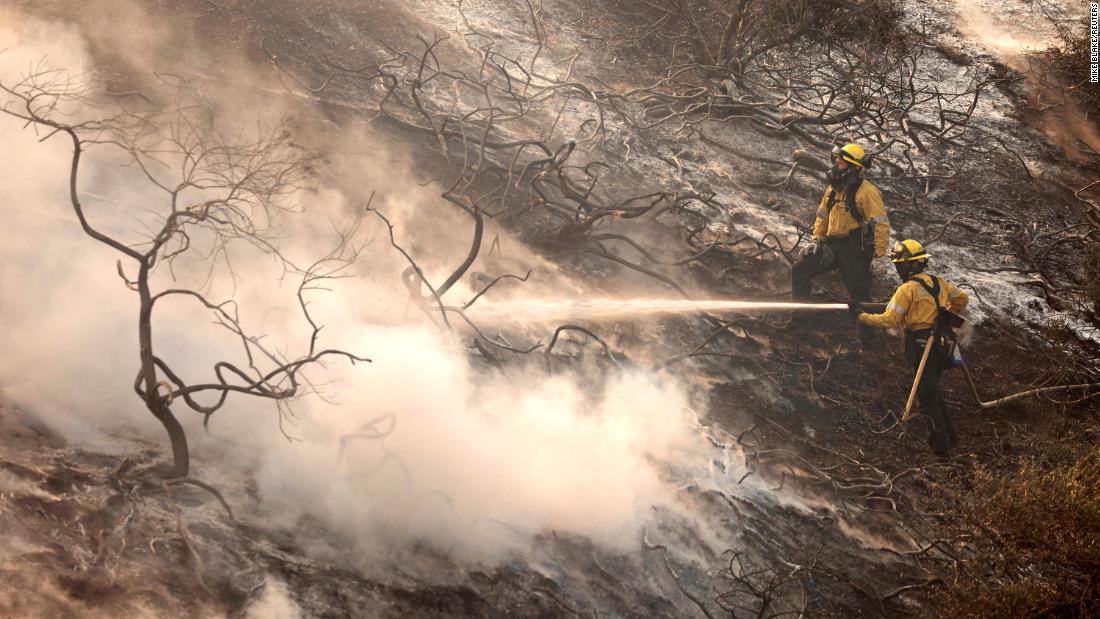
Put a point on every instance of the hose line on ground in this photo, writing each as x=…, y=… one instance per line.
x=1016, y=396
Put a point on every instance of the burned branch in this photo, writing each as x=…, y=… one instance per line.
x=222, y=191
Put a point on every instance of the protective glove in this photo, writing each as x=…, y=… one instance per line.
x=855, y=308
x=812, y=249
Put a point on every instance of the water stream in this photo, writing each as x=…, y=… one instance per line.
x=619, y=308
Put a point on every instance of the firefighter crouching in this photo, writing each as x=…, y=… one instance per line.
x=918, y=306
x=850, y=230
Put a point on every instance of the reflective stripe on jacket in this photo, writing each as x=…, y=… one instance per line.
x=912, y=308
x=839, y=222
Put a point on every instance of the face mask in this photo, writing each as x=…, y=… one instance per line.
x=903, y=270
x=908, y=269
x=834, y=174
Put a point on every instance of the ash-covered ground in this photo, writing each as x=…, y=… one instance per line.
x=713, y=465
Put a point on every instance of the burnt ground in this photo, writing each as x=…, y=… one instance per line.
x=878, y=522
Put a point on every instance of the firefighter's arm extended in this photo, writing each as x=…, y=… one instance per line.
x=956, y=299
x=821, y=224
x=874, y=211
x=894, y=316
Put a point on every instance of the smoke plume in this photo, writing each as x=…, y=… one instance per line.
x=418, y=447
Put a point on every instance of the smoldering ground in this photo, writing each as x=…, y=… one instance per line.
x=584, y=479
x=470, y=462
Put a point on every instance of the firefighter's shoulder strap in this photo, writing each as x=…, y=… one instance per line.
x=943, y=329
x=942, y=325
x=849, y=199
x=933, y=289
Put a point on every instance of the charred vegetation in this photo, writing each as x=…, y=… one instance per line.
x=680, y=150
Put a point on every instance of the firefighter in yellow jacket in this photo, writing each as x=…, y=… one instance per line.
x=915, y=308
x=851, y=229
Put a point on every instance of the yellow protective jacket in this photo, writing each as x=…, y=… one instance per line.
x=838, y=221
x=912, y=308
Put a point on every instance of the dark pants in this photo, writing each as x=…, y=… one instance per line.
x=942, y=432
x=854, y=265
x=855, y=269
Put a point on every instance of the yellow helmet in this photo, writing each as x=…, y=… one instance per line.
x=852, y=153
x=908, y=251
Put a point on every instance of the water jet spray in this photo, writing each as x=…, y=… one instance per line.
x=618, y=308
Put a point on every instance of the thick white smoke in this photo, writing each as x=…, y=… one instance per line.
x=58, y=294
x=477, y=465
x=469, y=463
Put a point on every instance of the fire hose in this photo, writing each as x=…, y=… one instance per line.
x=970, y=379
x=974, y=387
x=1016, y=396
x=613, y=308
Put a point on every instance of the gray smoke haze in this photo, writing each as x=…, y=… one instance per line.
x=1015, y=43
x=474, y=465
